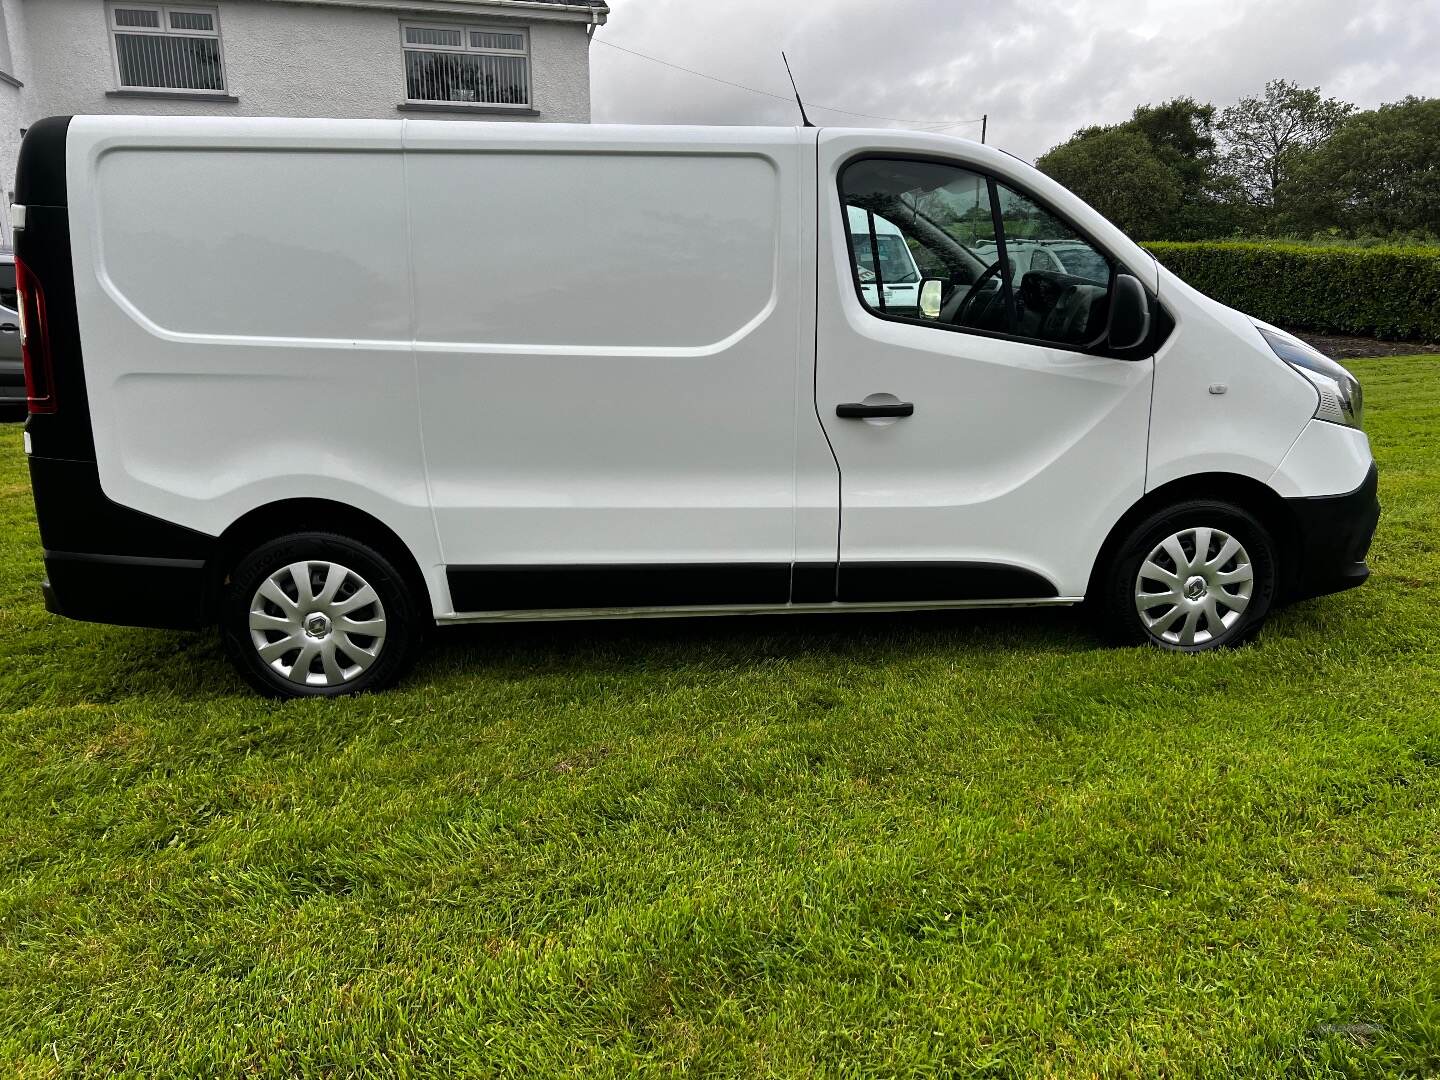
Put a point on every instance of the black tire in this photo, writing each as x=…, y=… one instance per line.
x=1116, y=599
x=396, y=614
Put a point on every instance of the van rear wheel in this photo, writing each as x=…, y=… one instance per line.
x=1194, y=577
x=316, y=614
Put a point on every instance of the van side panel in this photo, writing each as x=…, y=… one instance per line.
x=256, y=243
x=241, y=288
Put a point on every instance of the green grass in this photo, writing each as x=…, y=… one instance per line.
x=920, y=845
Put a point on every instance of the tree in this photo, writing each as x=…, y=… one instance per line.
x=1179, y=137
x=1182, y=133
x=1117, y=171
x=1267, y=138
x=1379, y=174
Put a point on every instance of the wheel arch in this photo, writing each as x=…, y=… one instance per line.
x=1245, y=492
x=277, y=519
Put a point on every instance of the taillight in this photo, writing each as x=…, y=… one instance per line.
x=34, y=341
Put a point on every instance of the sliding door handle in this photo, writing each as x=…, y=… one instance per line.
x=858, y=410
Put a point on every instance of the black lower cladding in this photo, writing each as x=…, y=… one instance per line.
x=554, y=588
x=919, y=582
x=169, y=594
x=813, y=583
x=569, y=588
x=108, y=563
x=1333, y=538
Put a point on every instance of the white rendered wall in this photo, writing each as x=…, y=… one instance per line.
x=283, y=59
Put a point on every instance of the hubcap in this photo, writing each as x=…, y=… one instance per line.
x=1194, y=586
x=317, y=623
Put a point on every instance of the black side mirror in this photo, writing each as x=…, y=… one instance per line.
x=1129, y=325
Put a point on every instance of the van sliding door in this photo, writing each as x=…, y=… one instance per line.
x=607, y=345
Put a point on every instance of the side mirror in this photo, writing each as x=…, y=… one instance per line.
x=932, y=298
x=1129, y=324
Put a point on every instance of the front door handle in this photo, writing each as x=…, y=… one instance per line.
x=858, y=410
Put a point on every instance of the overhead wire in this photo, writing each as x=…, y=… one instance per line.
x=934, y=125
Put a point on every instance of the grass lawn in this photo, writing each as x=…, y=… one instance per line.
x=902, y=845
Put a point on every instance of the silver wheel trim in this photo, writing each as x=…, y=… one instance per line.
x=1194, y=586
x=317, y=623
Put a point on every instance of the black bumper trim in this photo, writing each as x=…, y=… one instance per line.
x=1333, y=536
x=126, y=560
x=127, y=590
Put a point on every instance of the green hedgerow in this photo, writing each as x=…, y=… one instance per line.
x=1388, y=292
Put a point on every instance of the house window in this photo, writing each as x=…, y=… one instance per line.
x=167, y=47
x=484, y=65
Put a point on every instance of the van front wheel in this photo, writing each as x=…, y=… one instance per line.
x=318, y=615
x=1194, y=577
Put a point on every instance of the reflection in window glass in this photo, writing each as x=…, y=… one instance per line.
x=911, y=220
x=897, y=265
x=1028, y=226
x=921, y=220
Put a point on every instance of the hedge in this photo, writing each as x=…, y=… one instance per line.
x=1381, y=292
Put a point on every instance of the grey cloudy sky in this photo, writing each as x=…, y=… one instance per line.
x=1040, y=68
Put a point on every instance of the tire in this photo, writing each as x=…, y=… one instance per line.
x=1190, y=604
x=356, y=629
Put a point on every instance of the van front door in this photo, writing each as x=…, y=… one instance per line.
x=984, y=455
x=608, y=341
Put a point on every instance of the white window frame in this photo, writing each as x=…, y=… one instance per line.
x=466, y=29
x=164, y=11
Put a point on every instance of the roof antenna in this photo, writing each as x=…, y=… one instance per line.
x=803, y=117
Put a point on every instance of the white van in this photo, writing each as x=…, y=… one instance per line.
x=878, y=240
x=324, y=383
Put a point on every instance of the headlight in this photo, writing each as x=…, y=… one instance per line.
x=1341, y=400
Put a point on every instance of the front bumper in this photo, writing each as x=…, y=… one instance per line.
x=1333, y=535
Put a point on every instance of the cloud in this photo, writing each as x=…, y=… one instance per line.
x=1039, y=68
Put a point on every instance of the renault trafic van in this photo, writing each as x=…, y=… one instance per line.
x=322, y=383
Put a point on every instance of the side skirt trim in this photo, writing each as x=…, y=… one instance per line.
x=862, y=582
x=750, y=586
x=547, y=588
x=602, y=614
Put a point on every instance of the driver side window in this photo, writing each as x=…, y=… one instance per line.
x=940, y=244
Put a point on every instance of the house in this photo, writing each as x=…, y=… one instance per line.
x=488, y=59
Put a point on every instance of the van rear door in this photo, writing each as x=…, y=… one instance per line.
x=608, y=339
